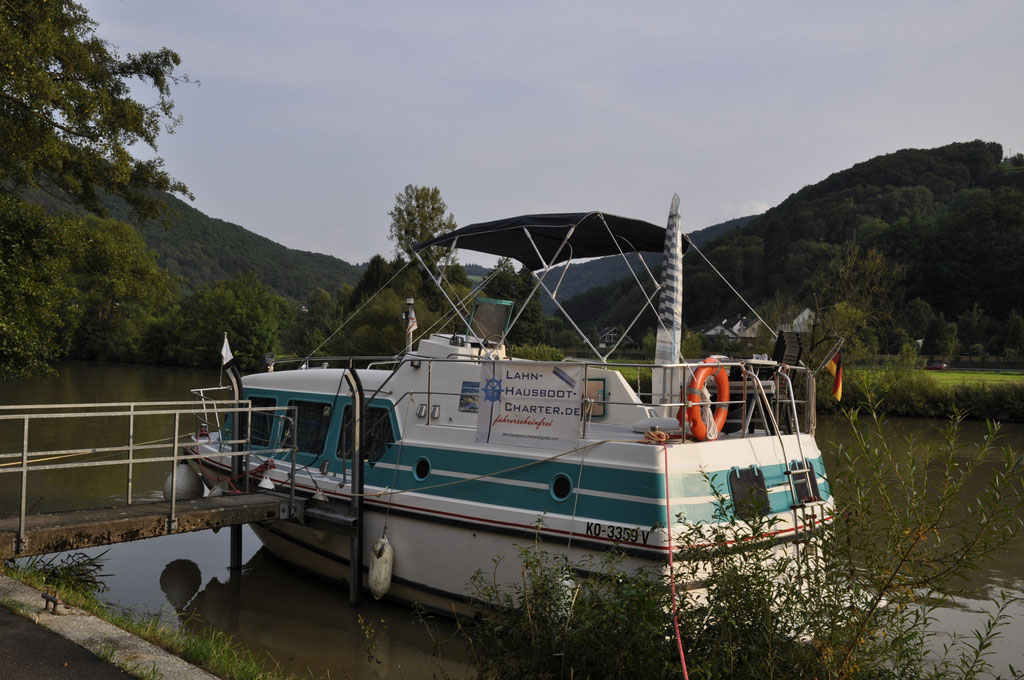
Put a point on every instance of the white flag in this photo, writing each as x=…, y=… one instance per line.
x=225, y=352
x=411, y=325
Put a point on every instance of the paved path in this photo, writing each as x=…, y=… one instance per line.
x=66, y=645
x=31, y=651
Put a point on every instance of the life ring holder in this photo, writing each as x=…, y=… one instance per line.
x=694, y=394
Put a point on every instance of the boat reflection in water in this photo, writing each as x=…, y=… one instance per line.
x=306, y=625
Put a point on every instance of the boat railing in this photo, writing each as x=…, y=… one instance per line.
x=336, y=361
x=202, y=395
x=745, y=400
x=171, y=432
x=777, y=391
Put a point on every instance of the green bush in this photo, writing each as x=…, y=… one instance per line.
x=854, y=599
x=583, y=620
x=538, y=352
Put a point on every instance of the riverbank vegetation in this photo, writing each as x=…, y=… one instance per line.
x=78, y=579
x=900, y=390
x=854, y=599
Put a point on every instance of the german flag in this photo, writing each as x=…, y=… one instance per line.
x=835, y=367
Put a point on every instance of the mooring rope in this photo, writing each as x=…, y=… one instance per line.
x=671, y=568
x=496, y=473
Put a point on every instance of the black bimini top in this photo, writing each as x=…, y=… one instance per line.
x=596, y=235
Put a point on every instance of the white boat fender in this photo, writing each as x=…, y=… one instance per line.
x=382, y=556
x=188, y=484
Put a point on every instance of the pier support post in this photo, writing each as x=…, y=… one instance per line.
x=235, y=561
x=355, y=578
x=243, y=415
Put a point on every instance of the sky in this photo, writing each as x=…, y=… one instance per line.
x=311, y=116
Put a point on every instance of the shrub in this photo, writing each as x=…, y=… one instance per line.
x=854, y=599
x=538, y=352
x=588, y=619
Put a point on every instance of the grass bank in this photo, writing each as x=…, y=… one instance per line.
x=898, y=391
x=78, y=579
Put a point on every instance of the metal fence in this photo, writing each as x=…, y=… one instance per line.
x=187, y=421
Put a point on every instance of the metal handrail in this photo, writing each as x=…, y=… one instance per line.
x=32, y=461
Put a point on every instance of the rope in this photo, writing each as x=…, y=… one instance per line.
x=742, y=299
x=656, y=437
x=394, y=475
x=575, y=502
x=85, y=453
x=397, y=492
x=672, y=570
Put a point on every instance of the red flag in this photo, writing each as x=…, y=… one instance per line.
x=835, y=367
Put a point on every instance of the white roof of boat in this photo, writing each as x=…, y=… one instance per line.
x=315, y=380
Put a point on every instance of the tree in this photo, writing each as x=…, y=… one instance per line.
x=972, y=325
x=120, y=290
x=419, y=215
x=853, y=297
x=67, y=123
x=379, y=329
x=917, y=317
x=34, y=280
x=244, y=308
x=1014, y=333
x=945, y=340
x=314, y=322
x=67, y=115
x=375, y=277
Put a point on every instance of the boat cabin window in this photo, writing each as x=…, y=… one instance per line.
x=262, y=426
x=377, y=432
x=312, y=420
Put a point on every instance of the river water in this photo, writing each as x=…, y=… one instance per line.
x=297, y=621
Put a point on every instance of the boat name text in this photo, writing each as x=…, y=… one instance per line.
x=618, y=533
x=537, y=392
x=538, y=409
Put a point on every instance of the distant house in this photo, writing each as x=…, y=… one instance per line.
x=803, y=322
x=737, y=326
x=607, y=337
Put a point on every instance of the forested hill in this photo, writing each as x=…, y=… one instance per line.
x=202, y=249
x=953, y=217
x=947, y=222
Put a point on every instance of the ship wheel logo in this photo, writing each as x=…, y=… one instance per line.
x=492, y=389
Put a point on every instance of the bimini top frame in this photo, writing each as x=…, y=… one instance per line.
x=542, y=241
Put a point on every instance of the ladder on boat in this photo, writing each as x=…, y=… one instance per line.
x=805, y=498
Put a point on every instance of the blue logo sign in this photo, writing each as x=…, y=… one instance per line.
x=492, y=389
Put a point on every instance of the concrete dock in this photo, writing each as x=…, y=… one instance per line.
x=71, y=530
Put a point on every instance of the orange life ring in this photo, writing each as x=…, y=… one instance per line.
x=694, y=395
